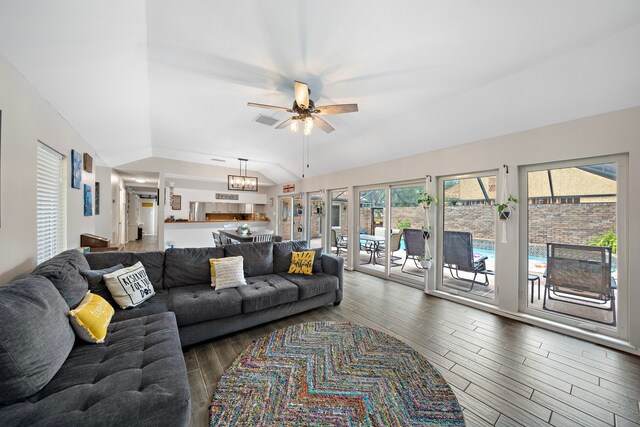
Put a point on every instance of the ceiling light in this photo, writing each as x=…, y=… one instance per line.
x=294, y=126
x=308, y=125
x=141, y=180
x=242, y=182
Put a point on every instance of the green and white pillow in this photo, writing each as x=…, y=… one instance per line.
x=129, y=286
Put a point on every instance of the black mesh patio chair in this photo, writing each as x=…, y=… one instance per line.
x=414, y=248
x=580, y=275
x=458, y=256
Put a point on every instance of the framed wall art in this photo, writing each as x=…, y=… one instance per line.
x=88, y=200
x=176, y=202
x=87, y=161
x=76, y=169
x=97, y=199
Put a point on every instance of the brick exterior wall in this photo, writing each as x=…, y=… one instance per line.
x=480, y=220
x=570, y=223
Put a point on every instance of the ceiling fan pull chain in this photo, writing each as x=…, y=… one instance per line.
x=307, y=152
x=303, y=156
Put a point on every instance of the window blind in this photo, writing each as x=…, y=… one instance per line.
x=51, y=202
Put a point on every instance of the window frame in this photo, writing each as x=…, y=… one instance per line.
x=621, y=330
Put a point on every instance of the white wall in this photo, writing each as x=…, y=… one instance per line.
x=103, y=220
x=27, y=118
x=605, y=134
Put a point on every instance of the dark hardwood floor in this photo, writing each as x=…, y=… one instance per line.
x=504, y=373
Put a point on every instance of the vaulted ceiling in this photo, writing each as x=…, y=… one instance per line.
x=172, y=78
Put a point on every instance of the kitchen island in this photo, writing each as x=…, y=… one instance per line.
x=196, y=234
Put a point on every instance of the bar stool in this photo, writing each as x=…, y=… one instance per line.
x=533, y=279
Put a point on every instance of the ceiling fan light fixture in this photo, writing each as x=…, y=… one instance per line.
x=293, y=126
x=308, y=125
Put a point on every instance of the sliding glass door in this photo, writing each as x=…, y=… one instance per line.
x=371, y=238
x=468, y=236
x=315, y=219
x=407, y=235
x=337, y=213
x=572, y=253
x=291, y=224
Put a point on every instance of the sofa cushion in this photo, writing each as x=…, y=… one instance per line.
x=63, y=270
x=310, y=286
x=229, y=274
x=90, y=319
x=198, y=303
x=302, y=262
x=258, y=257
x=158, y=304
x=266, y=291
x=282, y=255
x=153, y=263
x=96, y=282
x=137, y=377
x=189, y=266
x=35, y=336
x=130, y=286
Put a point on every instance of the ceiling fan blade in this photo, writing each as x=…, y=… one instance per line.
x=336, y=109
x=270, y=107
x=301, y=92
x=322, y=124
x=284, y=124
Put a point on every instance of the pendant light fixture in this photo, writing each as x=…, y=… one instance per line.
x=242, y=182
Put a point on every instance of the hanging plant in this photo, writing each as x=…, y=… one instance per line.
x=426, y=263
x=426, y=200
x=505, y=208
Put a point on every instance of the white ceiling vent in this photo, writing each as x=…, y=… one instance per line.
x=265, y=120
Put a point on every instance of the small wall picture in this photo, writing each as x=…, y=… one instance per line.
x=87, y=161
x=176, y=202
x=97, y=199
x=76, y=169
x=88, y=200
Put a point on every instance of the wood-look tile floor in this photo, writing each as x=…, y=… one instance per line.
x=504, y=372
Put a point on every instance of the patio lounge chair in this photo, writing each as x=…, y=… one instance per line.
x=414, y=250
x=338, y=242
x=580, y=275
x=394, y=246
x=458, y=256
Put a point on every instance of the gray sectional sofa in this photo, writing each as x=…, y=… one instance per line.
x=137, y=377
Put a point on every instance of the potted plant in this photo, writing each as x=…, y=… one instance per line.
x=426, y=200
x=425, y=262
x=505, y=208
x=244, y=229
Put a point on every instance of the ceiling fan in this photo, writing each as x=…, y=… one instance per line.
x=306, y=111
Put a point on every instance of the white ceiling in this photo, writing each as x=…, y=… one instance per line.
x=172, y=78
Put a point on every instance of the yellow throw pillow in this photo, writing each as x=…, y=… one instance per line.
x=212, y=268
x=302, y=262
x=91, y=318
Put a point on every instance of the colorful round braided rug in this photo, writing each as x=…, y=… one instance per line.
x=332, y=374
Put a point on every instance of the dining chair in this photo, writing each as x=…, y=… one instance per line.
x=217, y=239
x=263, y=237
